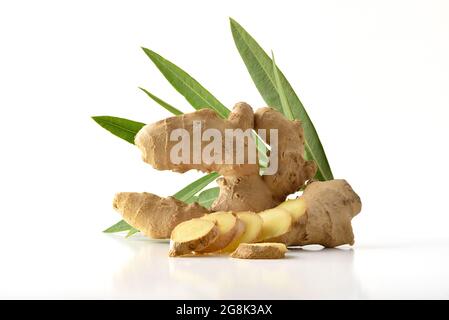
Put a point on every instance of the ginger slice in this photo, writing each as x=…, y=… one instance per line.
x=228, y=226
x=192, y=235
x=276, y=224
x=252, y=231
x=260, y=251
x=296, y=207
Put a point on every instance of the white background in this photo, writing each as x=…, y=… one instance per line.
x=373, y=75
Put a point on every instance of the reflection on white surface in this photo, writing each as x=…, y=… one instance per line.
x=107, y=266
x=365, y=272
x=304, y=274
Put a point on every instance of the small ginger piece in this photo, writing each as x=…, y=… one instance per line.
x=193, y=235
x=276, y=224
x=228, y=226
x=154, y=216
x=260, y=251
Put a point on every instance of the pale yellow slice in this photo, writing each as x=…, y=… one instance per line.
x=252, y=231
x=192, y=235
x=276, y=223
x=228, y=226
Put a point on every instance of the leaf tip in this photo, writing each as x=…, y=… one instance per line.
x=96, y=118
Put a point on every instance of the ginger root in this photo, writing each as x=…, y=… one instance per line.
x=241, y=186
x=322, y=215
x=154, y=216
x=260, y=251
x=330, y=207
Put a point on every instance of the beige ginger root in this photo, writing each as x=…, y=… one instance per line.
x=293, y=170
x=241, y=187
x=322, y=215
x=260, y=251
x=154, y=216
x=331, y=205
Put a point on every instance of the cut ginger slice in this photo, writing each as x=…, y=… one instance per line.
x=260, y=251
x=296, y=207
x=228, y=226
x=192, y=235
x=276, y=223
x=252, y=231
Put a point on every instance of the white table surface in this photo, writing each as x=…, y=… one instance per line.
x=109, y=266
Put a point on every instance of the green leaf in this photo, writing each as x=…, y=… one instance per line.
x=122, y=128
x=208, y=196
x=120, y=226
x=132, y=232
x=280, y=88
x=162, y=103
x=195, y=187
x=262, y=149
x=192, y=199
x=194, y=92
x=260, y=67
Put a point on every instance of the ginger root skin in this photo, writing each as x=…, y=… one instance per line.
x=260, y=251
x=155, y=216
x=241, y=187
x=331, y=205
x=293, y=170
x=243, y=193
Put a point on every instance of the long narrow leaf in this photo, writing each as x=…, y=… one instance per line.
x=280, y=88
x=195, y=187
x=162, y=103
x=192, y=199
x=131, y=232
x=122, y=128
x=186, y=85
x=120, y=226
x=260, y=67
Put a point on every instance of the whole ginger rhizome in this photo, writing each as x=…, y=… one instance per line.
x=251, y=207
